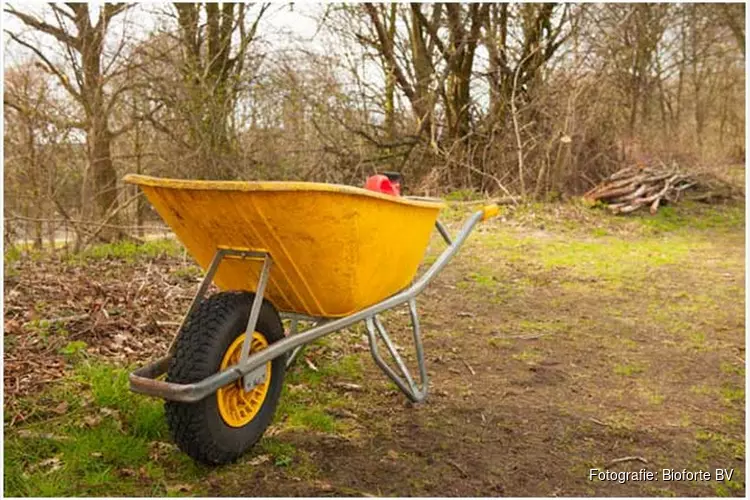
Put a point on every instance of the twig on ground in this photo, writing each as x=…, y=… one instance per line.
x=523, y=337
x=468, y=366
x=626, y=459
x=458, y=467
x=348, y=386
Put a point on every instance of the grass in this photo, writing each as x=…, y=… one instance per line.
x=307, y=395
x=732, y=395
x=672, y=219
x=100, y=445
x=188, y=272
x=129, y=251
x=463, y=195
x=732, y=369
x=628, y=370
x=529, y=356
x=73, y=349
x=281, y=452
x=12, y=254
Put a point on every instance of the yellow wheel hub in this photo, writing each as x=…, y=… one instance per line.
x=238, y=407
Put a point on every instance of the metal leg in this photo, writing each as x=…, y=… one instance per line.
x=258, y=375
x=412, y=391
x=292, y=356
x=443, y=232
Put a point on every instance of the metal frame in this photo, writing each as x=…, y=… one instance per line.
x=415, y=393
x=144, y=380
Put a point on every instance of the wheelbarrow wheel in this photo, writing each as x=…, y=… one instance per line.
x=221, y=427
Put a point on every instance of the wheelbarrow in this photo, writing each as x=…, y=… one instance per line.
x=326, y=255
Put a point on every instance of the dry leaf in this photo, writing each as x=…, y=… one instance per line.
x=260, y=459
x=109, y=412
x=310, y=364
x=159, y=449
x=178, y=488
x=91, y=420
x=126, y=472
x=348, y=386
x=50, y=464
x=323, y=485
x=62, y=408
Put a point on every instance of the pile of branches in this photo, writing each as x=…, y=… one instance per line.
x=640, y=186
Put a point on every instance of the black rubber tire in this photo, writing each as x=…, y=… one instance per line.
x=197, y=428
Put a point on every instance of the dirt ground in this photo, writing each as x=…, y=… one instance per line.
x=559, y=340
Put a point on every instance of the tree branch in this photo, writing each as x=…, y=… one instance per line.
x=39, y=25
x=64, y=81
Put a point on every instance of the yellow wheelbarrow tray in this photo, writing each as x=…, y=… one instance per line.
x=329, y=255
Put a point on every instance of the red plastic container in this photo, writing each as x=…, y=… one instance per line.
x=382, y=184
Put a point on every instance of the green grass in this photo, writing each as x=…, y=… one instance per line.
x=99, y=440
x=99, y=446
x=499, y=343
x=12, y=255
x=628, y=370
x=482, y=280
x=307, y=395
x=74, y=348
x=529, y=356
x=88, y=462
x=188, y=272
x=282, y=453
x=109, y=387
x=690, y=216
x=611, y=259
x=608, y=262
x=463, y=195
x=732, y=369
x=732, y=395
x=130, y=251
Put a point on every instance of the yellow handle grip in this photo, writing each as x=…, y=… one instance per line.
x=490, y=211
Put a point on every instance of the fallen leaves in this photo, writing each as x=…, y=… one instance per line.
x=115, y=307
x=341, y=413
x=91, y=421
x=260, y=459
x=310, y=364
x=47, y=466
x=178, y=488
x=62, y=408
x=159, y=449
x=348, y=386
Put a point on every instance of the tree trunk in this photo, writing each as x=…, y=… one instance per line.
x=105, y=176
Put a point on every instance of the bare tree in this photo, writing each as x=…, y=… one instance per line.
x=82, y=50
x=215, y=42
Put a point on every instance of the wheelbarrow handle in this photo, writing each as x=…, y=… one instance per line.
x=490, y=211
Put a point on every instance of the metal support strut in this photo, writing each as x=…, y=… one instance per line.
x=415, y=393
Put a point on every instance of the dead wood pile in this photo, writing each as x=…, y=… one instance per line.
x=636, y=187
